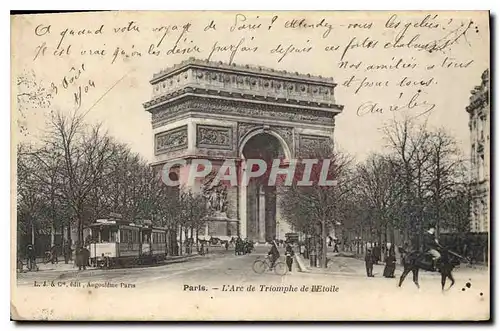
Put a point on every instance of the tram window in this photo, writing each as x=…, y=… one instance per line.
x=108, y=234
x=113, y=235
x=105, y=234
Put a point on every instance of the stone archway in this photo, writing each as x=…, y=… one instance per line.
x=259, y=203
x=207, y=110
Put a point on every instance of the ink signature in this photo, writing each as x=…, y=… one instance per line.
x=415, y=103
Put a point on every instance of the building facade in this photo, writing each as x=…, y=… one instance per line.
x=219, y=112
x=479, y=126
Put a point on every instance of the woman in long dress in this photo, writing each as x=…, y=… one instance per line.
x=390, y=263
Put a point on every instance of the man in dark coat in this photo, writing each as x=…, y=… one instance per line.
x=431, y=246
x=369, y=262
x=289, y=253
x=273, y=254
x=376, y=253
x=31, y=257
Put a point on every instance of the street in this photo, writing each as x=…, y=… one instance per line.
x=228, y=282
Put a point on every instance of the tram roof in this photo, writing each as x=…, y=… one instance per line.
x=143, y=224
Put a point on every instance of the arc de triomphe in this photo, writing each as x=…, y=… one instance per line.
x=217, y=111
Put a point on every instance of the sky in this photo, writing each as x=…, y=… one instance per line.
x=118, y=86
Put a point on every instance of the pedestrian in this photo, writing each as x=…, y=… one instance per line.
x=202, y=249
x=390, y=263
x=53, y=254
x=273, y=254
x=376, y=253
x=289, y=253
x=336, y=247
x=67, y=251
x=30, y=257
x=369, y=262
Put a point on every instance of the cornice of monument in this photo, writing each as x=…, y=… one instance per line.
x=165, y=99
x=250, y=84
x=243, y=69
x=480, y=95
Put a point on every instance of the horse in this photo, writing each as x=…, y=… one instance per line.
x=416, y=260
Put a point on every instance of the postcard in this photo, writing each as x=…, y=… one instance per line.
x=250, y=166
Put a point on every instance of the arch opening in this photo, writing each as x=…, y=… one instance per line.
x=259, y=199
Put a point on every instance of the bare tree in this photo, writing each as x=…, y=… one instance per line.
x=315, y=209
x=193, y=207
x=85, y=153
x=447, y=171
x=378, y=193
x=30, y=200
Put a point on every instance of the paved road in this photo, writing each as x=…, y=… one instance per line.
x=216, y=282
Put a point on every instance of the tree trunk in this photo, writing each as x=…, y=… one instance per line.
x=167, y=242
x=197, y=247
x=180, y=240
x=382, y=247
x=33, y=233
x=62, y=234
x=68, y=233
x=52, y=235
x=323, y=242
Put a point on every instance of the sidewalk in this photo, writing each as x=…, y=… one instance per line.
x=63, y=267
x=337, y=264
x=341, y=265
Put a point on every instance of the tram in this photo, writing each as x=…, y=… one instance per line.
x=114, y=242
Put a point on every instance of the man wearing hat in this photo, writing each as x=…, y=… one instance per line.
x=369, y=262
x=31, y=257
x=431, y=246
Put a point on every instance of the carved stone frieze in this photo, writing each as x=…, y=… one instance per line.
x=240, y=109
x=286, y=133
x=209, y=136
x=308, y=144
x=171, y=140
x=244, y=129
